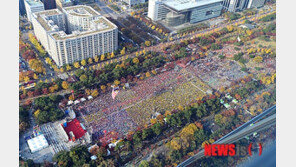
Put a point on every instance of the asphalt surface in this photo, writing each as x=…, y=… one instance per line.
x=240, y=132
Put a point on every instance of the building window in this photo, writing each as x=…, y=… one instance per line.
x=209, y=12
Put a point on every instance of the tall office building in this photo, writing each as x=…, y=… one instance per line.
x=22, y=9
x=256, y=3
x=33, y=6
x=74, y=33
x=239, y=5
x=133, y=2
x=63, y=3
x=156, y=10
x=176, y=12
x=49, y=4
x=235, y=5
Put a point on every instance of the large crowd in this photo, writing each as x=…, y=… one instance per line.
x=217, y=72
x=136, y=106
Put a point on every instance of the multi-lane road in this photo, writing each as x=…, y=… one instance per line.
x=262, y=121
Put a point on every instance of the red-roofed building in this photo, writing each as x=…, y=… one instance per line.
x=75, y=127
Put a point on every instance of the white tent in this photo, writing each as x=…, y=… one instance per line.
x=37, y=143
x=90, y=97
x=76, y=101
x=70, y=102
x=82, y=99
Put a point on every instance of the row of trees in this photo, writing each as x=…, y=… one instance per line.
x=268, y=18
x=37, y=45
x=95, y=79
x=117, y=71
x=31, y=57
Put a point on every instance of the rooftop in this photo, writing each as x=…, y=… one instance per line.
x=37, y=143
x=102, y=24
x=75, y=127
x=49, y=12
x=34, y=2
x=81, y=10
x=180, y=5
x=40, y=17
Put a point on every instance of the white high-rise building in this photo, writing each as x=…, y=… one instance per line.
x=156, y=10
x=256, y=3
x=238, y=5
x=176, y=12
x=33, y=6
x=75, y=33
x=133, y=2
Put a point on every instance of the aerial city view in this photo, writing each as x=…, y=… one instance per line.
x=147, y=83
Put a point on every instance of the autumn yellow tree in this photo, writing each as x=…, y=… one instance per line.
x=36, y=113
x=136, y=60
x=96, y=58
x=180, y=108
x=148, y=74
x=258, y=59
x=175, y=143
x=68, y=68
x=147, y=43
x=36, y=65
x=122, y=52
x=95, y=93
x=103, y=88
x=65, y=85
x=48, y=60
x=116, y=82
x=112, y=55
x=154, y=72
x=26, y=79
x=83, y=62
x=230, y=28
x=51, y=89
x=249, y=32
x=35, y=76
x=90, y=60
x=167, y=113
x=102, y=57
x=153, y=121
x=71, y=97
x=76, y=65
